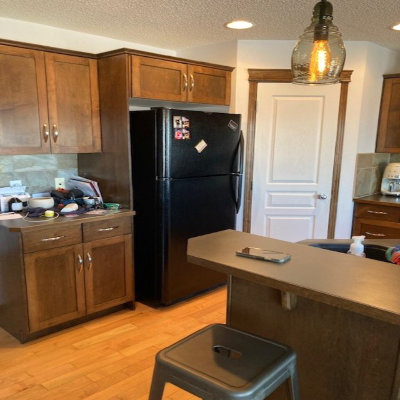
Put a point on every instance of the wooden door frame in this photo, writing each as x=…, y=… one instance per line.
x=257, y=76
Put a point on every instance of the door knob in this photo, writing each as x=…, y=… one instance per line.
x=322, y=196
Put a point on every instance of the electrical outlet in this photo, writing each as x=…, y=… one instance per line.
x=59, y=183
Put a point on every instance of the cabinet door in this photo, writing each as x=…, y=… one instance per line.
x=73, y=104
x=388, y=139
x=159, y=79
x=108, y=272
x=55, y=286
x=23, y=102
x=209, y=85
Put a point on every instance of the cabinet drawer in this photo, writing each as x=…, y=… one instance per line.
x=378, y=212
x=376, y=229
x=107, y=228
x=49, y=238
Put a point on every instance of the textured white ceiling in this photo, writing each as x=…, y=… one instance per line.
x=178, y=24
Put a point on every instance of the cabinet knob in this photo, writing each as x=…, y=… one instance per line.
x=111, y=228
x=375, y=234
x=185, y=82
x=52, y=239
x=80, y=260
x=90, y=260
x=55, y=133
x=191, y=82
x=46, y=132
x=322, y=196
x=377, y=212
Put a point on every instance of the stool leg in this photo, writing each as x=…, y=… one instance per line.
x=294, y=384
x=157, y=384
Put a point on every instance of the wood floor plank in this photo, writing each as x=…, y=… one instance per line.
x=110, y=358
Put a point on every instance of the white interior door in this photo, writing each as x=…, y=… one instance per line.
x=293, y=159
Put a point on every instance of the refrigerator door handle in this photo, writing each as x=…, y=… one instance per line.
x=238, y=159
x=237, y=176
x=238, y=200
x=241, y=152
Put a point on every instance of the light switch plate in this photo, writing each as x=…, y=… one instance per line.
x=59, y=183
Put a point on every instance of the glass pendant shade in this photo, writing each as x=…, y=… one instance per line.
x=319, y=55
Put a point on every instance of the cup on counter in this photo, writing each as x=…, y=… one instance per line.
x=89, y=201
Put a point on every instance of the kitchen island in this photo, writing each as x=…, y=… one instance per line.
x=340, y=313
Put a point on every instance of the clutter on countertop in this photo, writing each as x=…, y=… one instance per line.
x=393, y=254
x=10, y=192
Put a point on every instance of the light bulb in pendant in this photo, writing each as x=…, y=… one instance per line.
x=319, y=54
x=320, y=60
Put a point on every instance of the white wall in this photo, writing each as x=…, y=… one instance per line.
x=21, y=31
x=368, y=61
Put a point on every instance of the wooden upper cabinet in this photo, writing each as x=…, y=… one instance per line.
x=158, y=79
x=49, y=102
x=209, y=85
x=23, y=101
x=153, y=78
x=388, y=139
x=73, y=101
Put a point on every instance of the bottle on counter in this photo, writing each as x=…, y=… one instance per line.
x=357, y=247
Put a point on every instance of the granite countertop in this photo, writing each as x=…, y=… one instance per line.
x=364, y=286
x=17, y=225
x=379, y=199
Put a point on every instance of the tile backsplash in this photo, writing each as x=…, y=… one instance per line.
x=37, y=172
x=369, y=172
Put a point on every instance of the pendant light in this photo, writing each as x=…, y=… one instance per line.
x=319, y=55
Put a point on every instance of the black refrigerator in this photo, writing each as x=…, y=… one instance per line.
x=187, y=178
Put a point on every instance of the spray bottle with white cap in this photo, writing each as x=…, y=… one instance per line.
x=357, y=248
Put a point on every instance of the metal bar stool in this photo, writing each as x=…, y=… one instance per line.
x=222, y=363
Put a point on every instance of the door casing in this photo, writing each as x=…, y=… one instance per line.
x=257, y=76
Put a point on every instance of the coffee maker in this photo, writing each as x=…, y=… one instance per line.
x=391, y=180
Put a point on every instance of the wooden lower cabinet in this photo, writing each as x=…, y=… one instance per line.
x=58, y=274
x=377, y=217
x=108, y=272
x=55, y=286
x=69, y=282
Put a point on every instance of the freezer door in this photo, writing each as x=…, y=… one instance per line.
x=196, y=143
x=193, y=207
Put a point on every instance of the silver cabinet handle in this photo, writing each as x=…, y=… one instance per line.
x=80, y=260
x=185, y=82
x=55, y=133
x=90, y=259
x=46, y=132
x=377, y=212
x=375, y=234
x=52, y=239
x=107, y=229
x=191, y=82
x=322, y=196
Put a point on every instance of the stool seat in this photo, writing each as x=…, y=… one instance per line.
x=220, y=362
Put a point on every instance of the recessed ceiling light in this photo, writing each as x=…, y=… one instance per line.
x=239, y=25
x=396, y=27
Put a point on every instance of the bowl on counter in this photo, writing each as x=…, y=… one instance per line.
x=43, y=202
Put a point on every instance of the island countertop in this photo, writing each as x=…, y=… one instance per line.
x=364, y=286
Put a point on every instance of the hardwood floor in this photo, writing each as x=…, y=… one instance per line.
x=108, y=358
